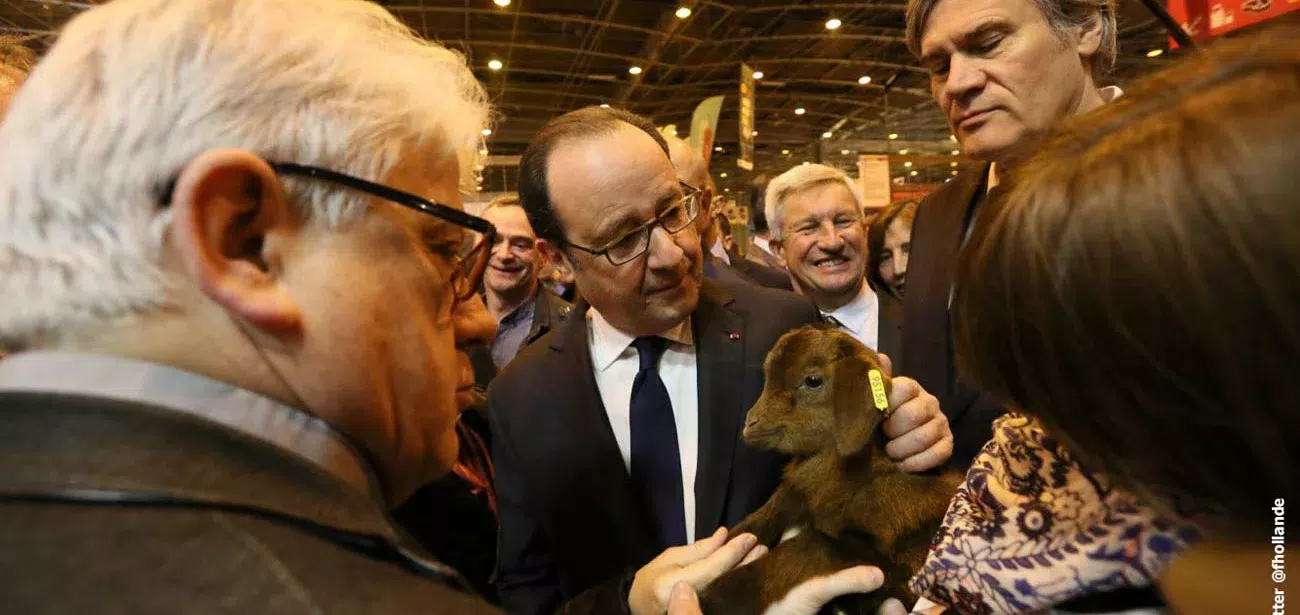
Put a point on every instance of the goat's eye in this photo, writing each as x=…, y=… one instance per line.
x=813, y=382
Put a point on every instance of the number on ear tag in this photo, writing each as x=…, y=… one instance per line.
x=878, y=391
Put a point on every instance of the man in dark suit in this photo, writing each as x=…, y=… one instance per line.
x=618, y=434
x=815, y=214
x=1004, y=74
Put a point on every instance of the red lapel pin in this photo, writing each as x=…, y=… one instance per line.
x=735, y=336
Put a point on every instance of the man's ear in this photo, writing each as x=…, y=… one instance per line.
x=855, y=416
x=554, y=254
x=778, y=250
x=230, y=227
x=1090, y=39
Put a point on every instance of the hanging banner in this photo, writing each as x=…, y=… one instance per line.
x=1206, y=19
x=704, y=125
x=873, y=175
x=745, y=159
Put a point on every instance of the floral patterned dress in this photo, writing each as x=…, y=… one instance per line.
x=1030, y=528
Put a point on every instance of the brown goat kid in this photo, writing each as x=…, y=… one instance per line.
x=849, y=502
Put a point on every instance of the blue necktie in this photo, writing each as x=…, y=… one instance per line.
x=656, y=461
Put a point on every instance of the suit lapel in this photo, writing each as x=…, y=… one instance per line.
x=936, y=240
x=719, y=338
x=588, y=437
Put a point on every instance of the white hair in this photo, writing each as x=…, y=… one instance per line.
x=797, y=180
x=135, y=89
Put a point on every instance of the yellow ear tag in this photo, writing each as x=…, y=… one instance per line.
x=878, y=391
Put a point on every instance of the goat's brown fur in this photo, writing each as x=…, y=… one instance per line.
x=850, y=502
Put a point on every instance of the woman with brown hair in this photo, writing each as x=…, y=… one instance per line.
x=889, y=244
x=1136, y=295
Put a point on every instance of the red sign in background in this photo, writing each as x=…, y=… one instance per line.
x=1206, y=19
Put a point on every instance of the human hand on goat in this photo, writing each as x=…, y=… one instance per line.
x=806, y=599
x=920, y=438
x=694, y=566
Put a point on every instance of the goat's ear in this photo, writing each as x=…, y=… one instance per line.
x=855, y=416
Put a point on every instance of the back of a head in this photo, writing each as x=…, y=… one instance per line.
x=16, y=60
x=1141, y=284
x=688, y=163
x=109, y=118
x=585, y=123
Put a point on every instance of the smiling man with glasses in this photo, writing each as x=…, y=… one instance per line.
x=617, y=435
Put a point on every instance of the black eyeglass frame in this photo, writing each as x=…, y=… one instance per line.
x=477, y=256
x=691, y=192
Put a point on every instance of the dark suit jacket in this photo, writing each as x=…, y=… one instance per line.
x=318, y=546
x=763, y=275
x=927, y=354
x=551, y=312
x=569, y=516
x=890, y=335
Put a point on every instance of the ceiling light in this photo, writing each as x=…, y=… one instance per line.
x=785, y=152
x=758, y=74
x=833, y=24
x=683, y=13
x=954, y=174
x=908, y=164
x=726, y=189
x=501, y=3
x=495, y=64
x=903, y=152
x=754, y=134
x=953, y=165
x=826, y=135
x=604, y=105
x=844, y=152
x=800, y=111
x=956, y=152
x=718, y=150
x=804, y=163
x=893, y=136
x=487, y=132
x=1155, y=53
x=635, y=70
x=865, y=79
x=913, y=173
x=952, y=138
x=723, y=176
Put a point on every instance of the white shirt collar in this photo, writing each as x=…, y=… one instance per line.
x=608, y=343
x=1108, y=95
x=252, y=414
x=856, y=314
x=720, y=252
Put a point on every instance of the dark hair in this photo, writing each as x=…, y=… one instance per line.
x=1137, y=290
x=587, y=122
x=757, y=203
x=876, y=231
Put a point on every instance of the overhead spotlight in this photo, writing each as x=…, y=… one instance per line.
x=804, y=163
x=903, y=152
x=864, y=80
x=785, y=152
x=501, y=3
x=723, y=175
x=495, y=64
x=726, y=189
x=913, y=173
x=952, y=138
x=956, y=152
x=833, y=24
x=683, y=13
x=893, y=136
x=487, y=132
x=635, y=70
x=844, y=152
x=827, y=135
x=908, y=164
x=1155, y=53
x=953, y=165
x=754, y=134
x=718, y=150
x=800, y=111
x=604, y=105
x=758, y=74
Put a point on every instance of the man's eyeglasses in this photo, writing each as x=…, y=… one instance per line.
x=470, y=257
x=633, y=244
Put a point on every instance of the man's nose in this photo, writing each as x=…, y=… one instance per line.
x=965, y=79
x=829, y=238
x=663, y=251
x=472, y=323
